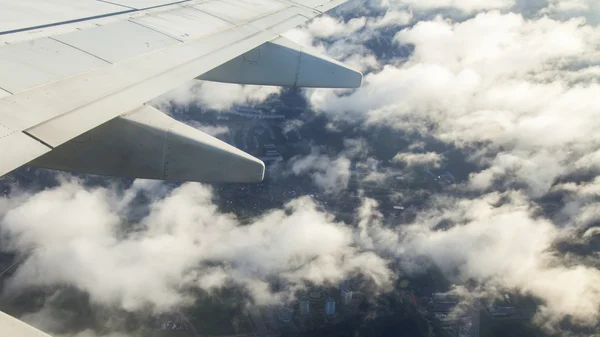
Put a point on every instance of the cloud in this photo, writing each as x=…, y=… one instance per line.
x=564, y=9
x=496, y=79
x=331, y=174
x=210, y=129
x=497, y=241
x=581, y=205
x=371, y=170
x=213, y=95
x=77, y=236
x=326, y=26
x=515, y=93
x=429, y=159
x=507, y=247
x=391, y=18
x=468, y=6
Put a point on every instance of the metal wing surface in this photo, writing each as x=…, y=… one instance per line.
x=73, y=72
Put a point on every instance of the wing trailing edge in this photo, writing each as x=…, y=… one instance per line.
x=147, y=143
x=281, y=62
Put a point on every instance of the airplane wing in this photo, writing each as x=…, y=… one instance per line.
x=75, y=76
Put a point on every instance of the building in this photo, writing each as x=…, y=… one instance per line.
x=345, y=284
x=330, y=307
x=441, y=307
x=497, y=311
x=284, y=314
x=446, y=178
x=503, y=307
x=346, y=296
x=304, y=307
x=345, y=291
x=316, y=296
x=444, y=298
x=464, y=329
x=254, y=113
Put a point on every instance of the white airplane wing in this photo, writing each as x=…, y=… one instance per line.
x=75, y=76
x=14, y=328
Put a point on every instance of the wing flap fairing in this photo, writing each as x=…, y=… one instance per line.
x=147, y=143
x=281, y=62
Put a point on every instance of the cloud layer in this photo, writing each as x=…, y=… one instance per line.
x=512, y=85
x=80, y=236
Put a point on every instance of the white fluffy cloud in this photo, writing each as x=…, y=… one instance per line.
x=588, y=9
x=331, y=174
x=581, y=205
x=495, y=79
x=463, y=5
x=213, y=95
x=210, y=129
x=79, y=236
x=517, y=92
x=503, y=248
x=390, y=18
x=326, y=26
x=430, y=159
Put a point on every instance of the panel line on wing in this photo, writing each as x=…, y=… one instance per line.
x=211, y=14
x=162, y=5
x=116, y=4
x=94, y=17
x=299, y=5
x=253, y=19
x=54, y=24
x=155, y=30
x=81, y=50
x=37, y=139
x=7, y=91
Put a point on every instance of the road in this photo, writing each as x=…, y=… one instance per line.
x=11, y=266
x=475, y=322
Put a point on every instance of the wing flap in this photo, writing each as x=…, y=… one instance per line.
x=281, y=62
x=17, y=149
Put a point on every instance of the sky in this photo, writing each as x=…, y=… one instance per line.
x=510, y=84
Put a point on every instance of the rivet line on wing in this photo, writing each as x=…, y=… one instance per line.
x=298, y=67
